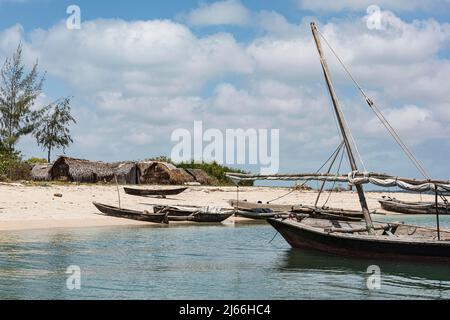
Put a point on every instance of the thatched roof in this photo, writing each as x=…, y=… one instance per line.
x=202, y=177
x=126, y=172
x=79, y=170
x=155, y=172
x=41, y=172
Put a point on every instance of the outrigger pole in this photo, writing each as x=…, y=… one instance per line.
x=343, y=128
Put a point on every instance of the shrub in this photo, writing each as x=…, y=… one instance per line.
x=7, y=160
x=215, y=170
x=33, y=161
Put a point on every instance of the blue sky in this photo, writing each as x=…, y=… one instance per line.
x=138, y=70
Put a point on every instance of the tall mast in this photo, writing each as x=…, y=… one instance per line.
x=342, y=125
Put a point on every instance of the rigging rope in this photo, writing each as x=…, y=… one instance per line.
x=334, y=182
x=380, y=115
x=329, y=170
x=318, y=170
x=348, y=132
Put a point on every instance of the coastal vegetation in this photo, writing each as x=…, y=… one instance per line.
x=22, y=114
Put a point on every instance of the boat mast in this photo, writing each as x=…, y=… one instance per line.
x=343, y=127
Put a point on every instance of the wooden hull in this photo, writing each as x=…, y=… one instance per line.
x=153, y=192
x=299, y=235
x=412, y=207
x=131, y=214
x=326, y=213
x=250, y=206
x=256, y=215
x=193, y=214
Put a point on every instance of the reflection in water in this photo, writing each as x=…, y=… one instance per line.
x=189, y=262
x=401, y=278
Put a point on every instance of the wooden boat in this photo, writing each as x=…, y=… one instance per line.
x=258, y=215
x=194, y=213
x=390, y=241
x=153, y=192
x=131, y=214
x=318, y=212
x=251, y=206
x=407, y=207
x=364, y=239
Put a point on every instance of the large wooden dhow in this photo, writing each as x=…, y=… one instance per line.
x=363, y=239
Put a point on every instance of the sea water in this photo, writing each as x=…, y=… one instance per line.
x=248, y=261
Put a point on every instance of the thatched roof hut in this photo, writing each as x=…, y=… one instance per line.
x=202, y=177
x=78, y=170
x=126, y=172
x=155, y=172
x=41, y=172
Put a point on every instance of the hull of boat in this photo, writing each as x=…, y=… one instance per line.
x=153, y=192
x=412, y=208
x=255, y=215
x=326, y=213
x=131, y=214
x=201, y=217
x=192, y=214
x=299, y=236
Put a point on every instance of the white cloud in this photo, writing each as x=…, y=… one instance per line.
x=228, y=12
x=361, y=5
x=145, y=57
x=414, y=123
x=141, y=80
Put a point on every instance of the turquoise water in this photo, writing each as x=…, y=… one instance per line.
x=200, y=262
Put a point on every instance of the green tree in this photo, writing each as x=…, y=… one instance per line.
x=18, y=93
x=53, y=132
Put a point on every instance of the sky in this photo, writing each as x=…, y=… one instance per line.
x=138, y=70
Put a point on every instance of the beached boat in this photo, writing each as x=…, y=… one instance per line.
x=194, y=213
x=131, y=214
x=260, y=215
x=314, y=211
x=153, y=192
x=363, y=239
x=409, y=207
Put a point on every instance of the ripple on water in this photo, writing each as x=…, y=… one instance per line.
x=214, y=262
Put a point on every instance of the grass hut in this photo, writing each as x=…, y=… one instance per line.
x=41, y=172
x=126, y=172
x=155, y=172
x=202, y=177
x=78, y=170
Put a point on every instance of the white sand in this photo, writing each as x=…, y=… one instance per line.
x=35, y=207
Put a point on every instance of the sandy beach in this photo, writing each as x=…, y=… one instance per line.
x=24, y=207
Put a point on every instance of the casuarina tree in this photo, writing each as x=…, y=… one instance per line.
x=18, y=94
x=53, y=130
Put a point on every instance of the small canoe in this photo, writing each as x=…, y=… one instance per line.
x=317, y=212
x=195, y=214
x=406, y=207
x=251, y=206
x=256, y=215
x=153, y=192
x=131, y=214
